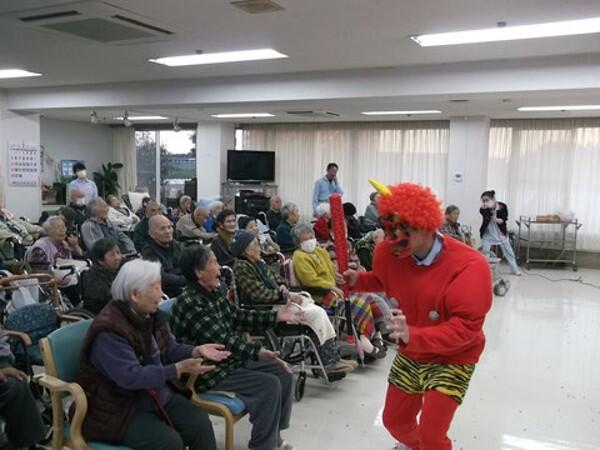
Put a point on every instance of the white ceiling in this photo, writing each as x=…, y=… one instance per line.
x=318, y=35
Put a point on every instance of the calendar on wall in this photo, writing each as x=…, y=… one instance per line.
x=23, y=164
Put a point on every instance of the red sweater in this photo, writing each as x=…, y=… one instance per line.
x=445, y=303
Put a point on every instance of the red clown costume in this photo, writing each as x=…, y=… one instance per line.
x=444, y=299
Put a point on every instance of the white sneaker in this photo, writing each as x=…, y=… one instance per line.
x=285, y=446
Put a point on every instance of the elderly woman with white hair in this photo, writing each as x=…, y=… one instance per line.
x=316, y=272
x=185, y=207
x=214, y=208
x=322, y=225
x=57, y=244
x=129, y=369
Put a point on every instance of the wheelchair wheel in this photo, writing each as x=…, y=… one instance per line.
x=300, y=385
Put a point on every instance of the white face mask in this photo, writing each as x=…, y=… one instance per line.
x=82, y=174
x=309, y=246
x=80, y=201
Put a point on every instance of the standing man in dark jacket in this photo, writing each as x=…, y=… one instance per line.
x=167, y=251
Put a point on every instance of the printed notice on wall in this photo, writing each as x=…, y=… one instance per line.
x=23, y=164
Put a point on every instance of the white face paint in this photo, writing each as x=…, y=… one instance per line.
x=309, y=245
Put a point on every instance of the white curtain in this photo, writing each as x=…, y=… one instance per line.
x=547, y=167
x=124, y=152
x=388, y=152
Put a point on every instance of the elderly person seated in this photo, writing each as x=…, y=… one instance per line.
x=452, y=227
x=214, y=208
x=371, y=217
x=258, y=284
x=352, y=222
x=120, y=215
x=56, y=245
x=140, y=232
x=18, y=409
x=365, y=247
x=256, y=375
x=141, y=211
x=316, y=272
x=98, y=227
x=167, y=251
x=226, y=222
x=267, y=246
x=322, y=225
x=129, y=369
x=185, y=207
x=96, y=282
x=191, y=226
x=290, y=216
x=274, y=212
x=76, y=212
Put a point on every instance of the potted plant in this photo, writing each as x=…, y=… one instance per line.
x=107, y=181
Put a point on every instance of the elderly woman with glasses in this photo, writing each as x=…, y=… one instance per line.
x=129, y=370
x=316, y=273
x=202, y=313
x=258, y=284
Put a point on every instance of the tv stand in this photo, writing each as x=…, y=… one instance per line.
x=231, y=190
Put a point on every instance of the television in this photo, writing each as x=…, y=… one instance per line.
x=250, y=166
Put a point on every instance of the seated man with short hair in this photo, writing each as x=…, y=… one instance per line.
x=98, y=227
x=167, y=251
x=140, y=232
x=76, y=212
x=191, y=226
x=290, y=216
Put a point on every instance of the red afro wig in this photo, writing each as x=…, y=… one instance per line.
x=413, y=205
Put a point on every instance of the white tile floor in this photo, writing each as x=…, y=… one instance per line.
x=537, y=386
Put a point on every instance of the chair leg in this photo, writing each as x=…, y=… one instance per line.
x=229, y=433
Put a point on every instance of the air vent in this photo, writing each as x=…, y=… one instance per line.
x=56, y=15
x=100, y=30
x=313, y=113
x=142, y=24
x=257, y=6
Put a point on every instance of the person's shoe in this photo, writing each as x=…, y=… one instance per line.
x=284, y=445
x=339, y=367
x=377, y=353
x=349, y=362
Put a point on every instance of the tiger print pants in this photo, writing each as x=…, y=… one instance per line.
x=435, y=391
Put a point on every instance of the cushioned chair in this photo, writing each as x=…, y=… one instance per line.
x=222, y=404
x=60, y=353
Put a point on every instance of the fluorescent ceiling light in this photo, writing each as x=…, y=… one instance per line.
x=218, y=58
x=541, y=30
x=559, y=108
x=397, y=113
x=142, y=118
x=17, y=73
x=241, y=115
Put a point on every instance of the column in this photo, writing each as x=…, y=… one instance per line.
x=467, y=167
x=213, y=139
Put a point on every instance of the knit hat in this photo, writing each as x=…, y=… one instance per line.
x=243, y=221
x=240, y=242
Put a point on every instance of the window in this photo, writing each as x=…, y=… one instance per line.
x=166, y=163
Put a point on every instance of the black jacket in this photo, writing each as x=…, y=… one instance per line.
x=501, y=213
x=274, y=219
x=168, y=257
x=222, y=252
x=95, y=285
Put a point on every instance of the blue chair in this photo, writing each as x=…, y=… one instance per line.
x=60, y=353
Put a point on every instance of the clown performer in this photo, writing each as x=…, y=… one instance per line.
x=444, y=290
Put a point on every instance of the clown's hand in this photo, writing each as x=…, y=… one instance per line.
x=350, y=277
x=398, y=328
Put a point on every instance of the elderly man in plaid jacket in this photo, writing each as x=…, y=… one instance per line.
x=202, y=313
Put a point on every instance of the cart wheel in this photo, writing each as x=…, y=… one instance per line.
x=300, y=385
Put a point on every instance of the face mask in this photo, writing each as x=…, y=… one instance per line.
x=82, y=174
x=309, y=246
x=80, y=201
x=489, y=204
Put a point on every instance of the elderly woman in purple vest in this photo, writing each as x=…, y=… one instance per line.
x=129, y=370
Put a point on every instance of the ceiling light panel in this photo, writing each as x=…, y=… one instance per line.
x=397, y=113
x=219, y=58
x=17, y=73
x=559, y=108
x=241, y=115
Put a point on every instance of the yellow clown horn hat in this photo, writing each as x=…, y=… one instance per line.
x=381, y=189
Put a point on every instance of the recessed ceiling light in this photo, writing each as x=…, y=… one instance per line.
x=396, y=113
x=559, y=108
x=541, y=30
x=17, y=73
x=141, y=118
x=241, y=115
x=218, y=58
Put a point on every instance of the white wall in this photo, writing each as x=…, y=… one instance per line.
x=467, y=167
x=75, y=140
x=23, y=201
x=212, y=142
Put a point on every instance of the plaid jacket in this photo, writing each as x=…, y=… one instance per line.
x=201, y=317
x=251, y=288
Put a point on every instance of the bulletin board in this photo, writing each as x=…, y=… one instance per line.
x=23, y=164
